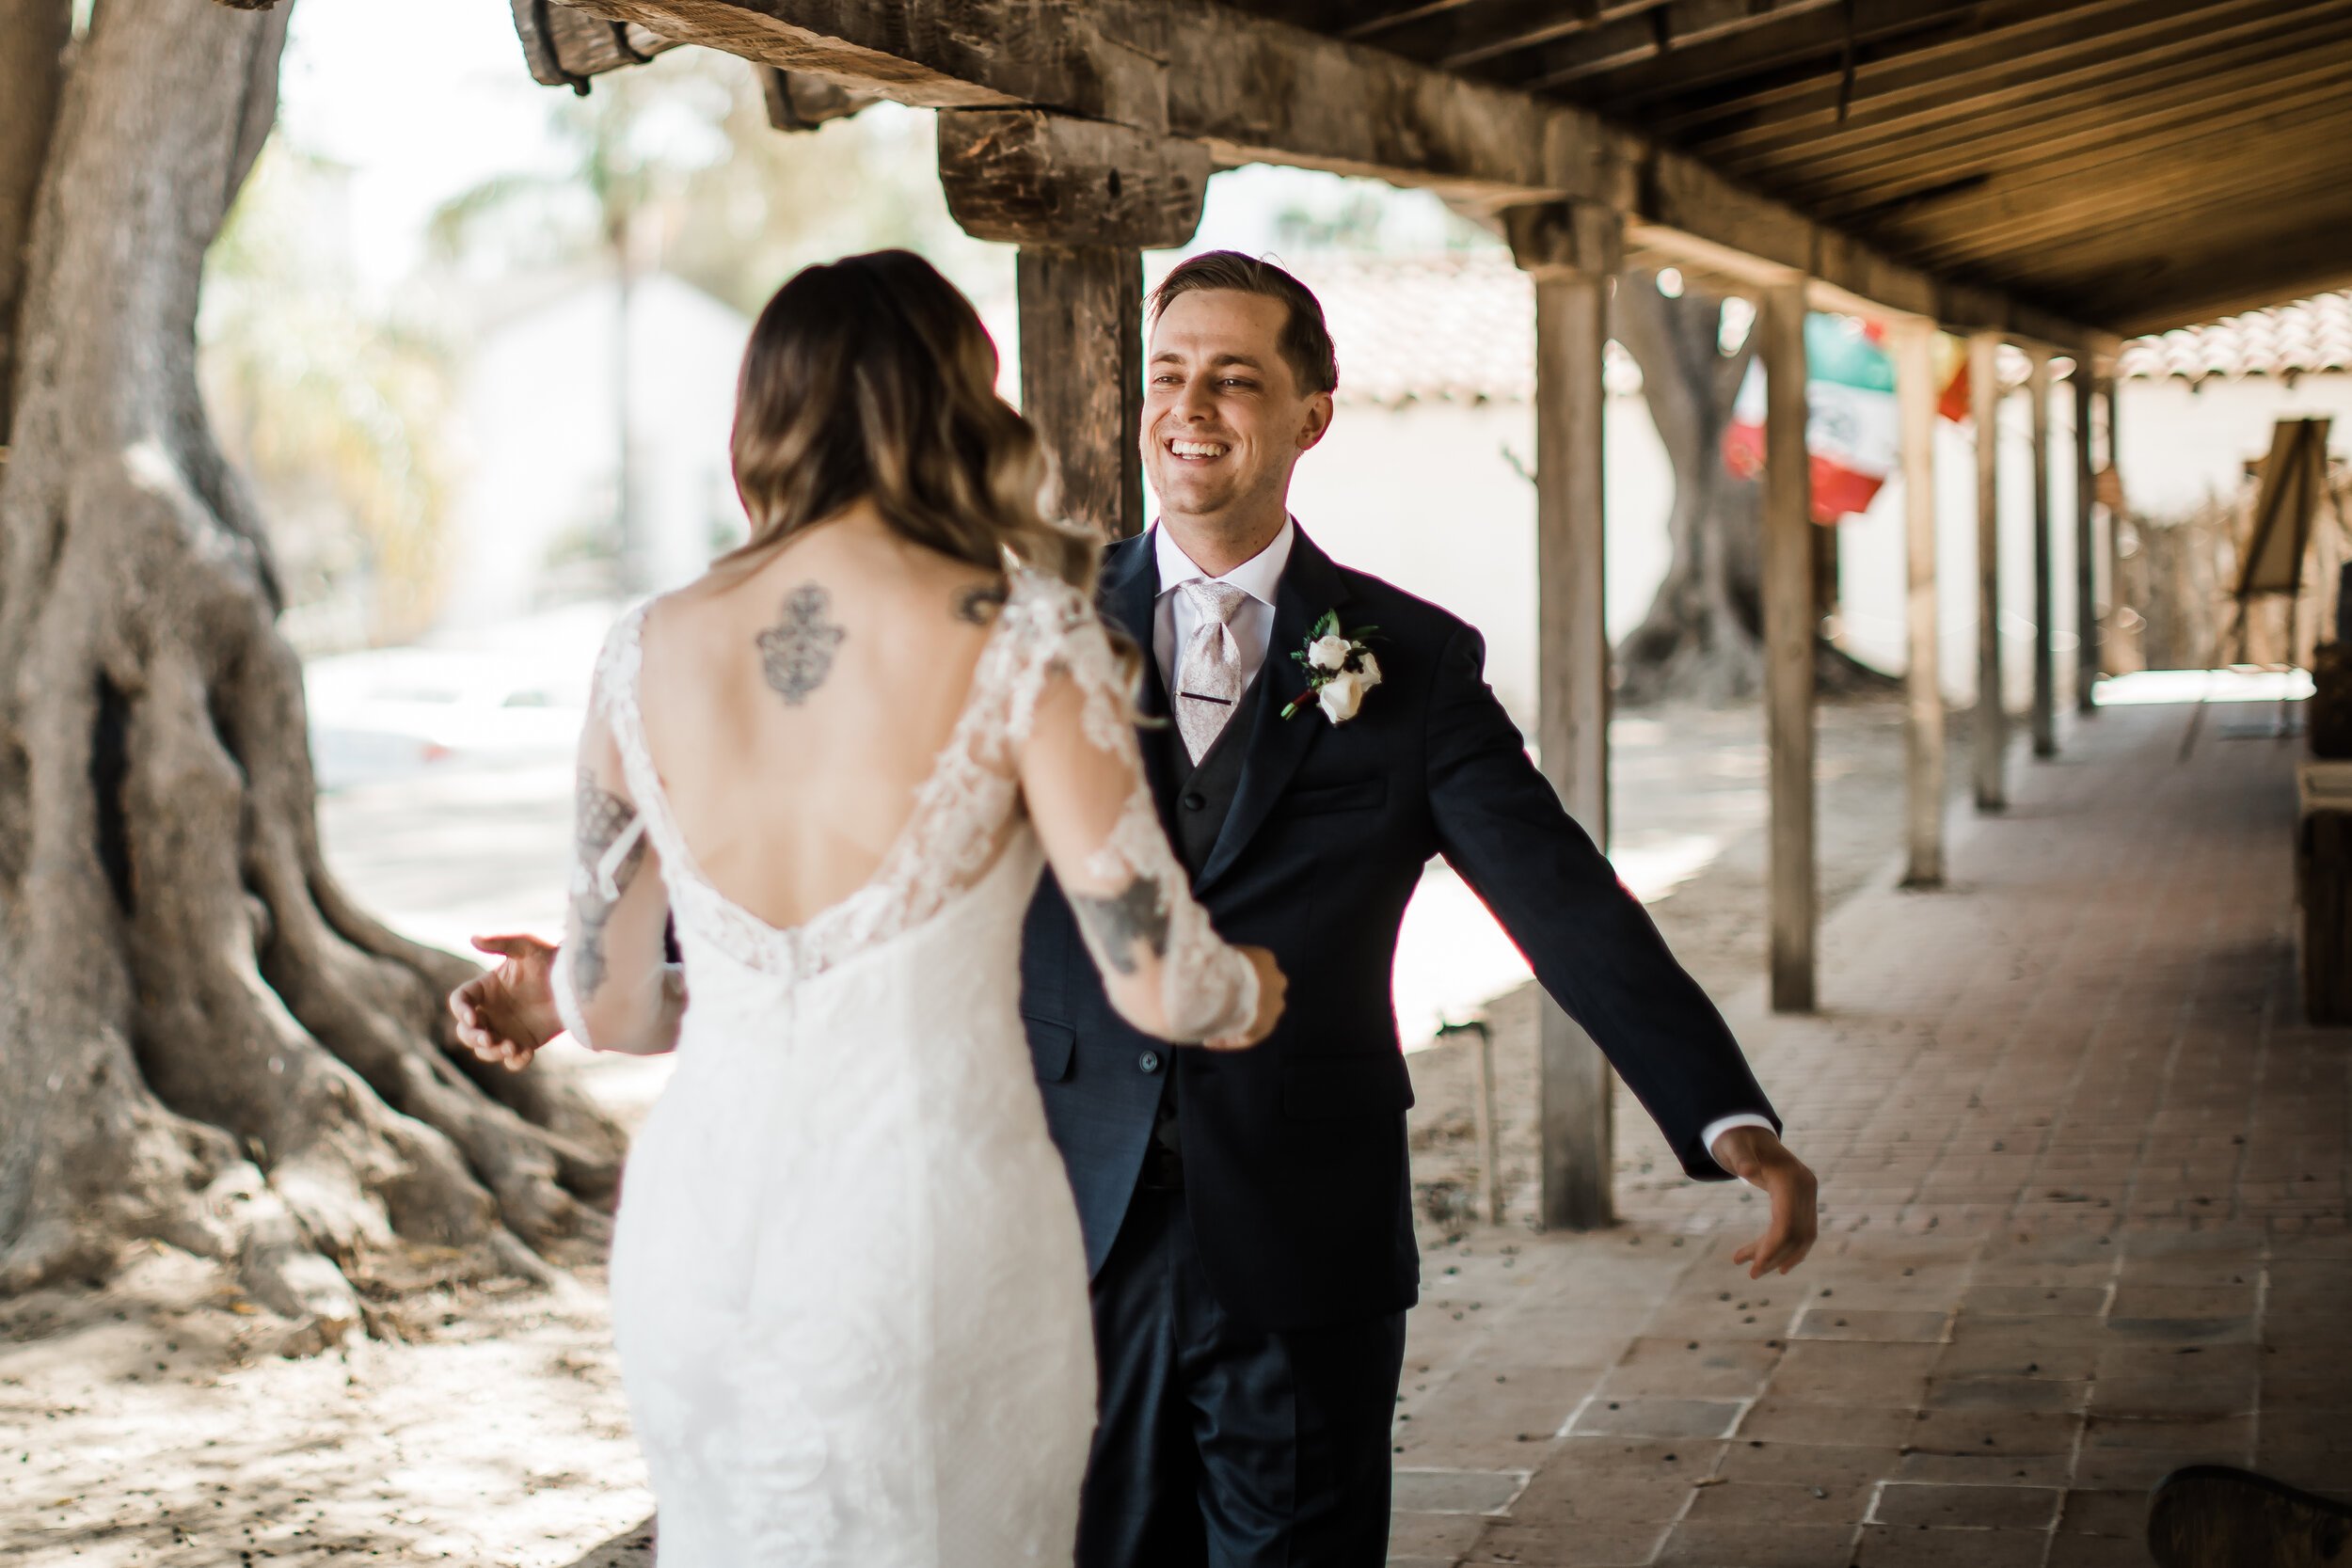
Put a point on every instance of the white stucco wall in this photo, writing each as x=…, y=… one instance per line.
x=533, y=439
x=1423, y=496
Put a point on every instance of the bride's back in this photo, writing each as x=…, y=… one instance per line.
x=795, y=702
x=795, y=699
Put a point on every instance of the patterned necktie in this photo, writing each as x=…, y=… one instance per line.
x=1208, y=681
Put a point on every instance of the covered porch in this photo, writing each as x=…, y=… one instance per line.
x=2084, y=1220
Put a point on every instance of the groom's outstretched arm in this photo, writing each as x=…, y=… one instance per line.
x=1590, y=942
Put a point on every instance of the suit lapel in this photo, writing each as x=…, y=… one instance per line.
x=1129, y=594
x=1310, y=585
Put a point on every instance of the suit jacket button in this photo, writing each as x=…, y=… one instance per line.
x=1149, y=1061
x=1194, y=799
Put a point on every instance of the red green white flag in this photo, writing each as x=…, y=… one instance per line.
x=1852, y=433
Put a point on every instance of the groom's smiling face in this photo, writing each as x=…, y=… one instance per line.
x=1224, y=418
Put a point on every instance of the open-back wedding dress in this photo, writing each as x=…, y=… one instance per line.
x=848, y=1285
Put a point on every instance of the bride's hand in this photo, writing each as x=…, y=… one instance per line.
x=1272, y=988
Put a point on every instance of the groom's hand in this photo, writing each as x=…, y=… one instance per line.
x=1758, y=1157
x=505, y=1014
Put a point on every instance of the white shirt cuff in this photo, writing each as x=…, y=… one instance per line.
x=1722, y=1125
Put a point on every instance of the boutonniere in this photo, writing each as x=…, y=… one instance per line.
x=1339, y=668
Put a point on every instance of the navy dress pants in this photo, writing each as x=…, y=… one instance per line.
x=1223, y=1446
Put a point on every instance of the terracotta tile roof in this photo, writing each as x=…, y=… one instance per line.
x=2309, y=337
x=1458, y=327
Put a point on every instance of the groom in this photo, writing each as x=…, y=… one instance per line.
x=1249, y=1214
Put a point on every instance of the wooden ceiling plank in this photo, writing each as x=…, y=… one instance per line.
x=2205, y=284
x=1471, y=32
x=1954, y=187
x=2117, y=112
x=2091, y=204
x=2052, y=61
x=1668, y=34
x=1806, y=39
x=2282, y=211
x=2017, y=84
x=2274, y=279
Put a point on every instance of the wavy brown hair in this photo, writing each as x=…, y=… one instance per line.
x=872, y=377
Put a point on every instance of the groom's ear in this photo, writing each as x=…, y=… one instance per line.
x=1318, y=421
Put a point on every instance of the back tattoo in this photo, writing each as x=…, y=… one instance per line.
x=797, y=652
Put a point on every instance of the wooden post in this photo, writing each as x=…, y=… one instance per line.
x=1489, y=1144
x=2044, y=571
x=1082, y=377
x=2085, y=550
x=2111, y=643
x=1573, y=253
x=1790, y=628
x=1992, y=719
x=1083, y=199
x=1923, y=687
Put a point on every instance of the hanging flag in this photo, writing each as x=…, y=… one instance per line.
x=1852, y=433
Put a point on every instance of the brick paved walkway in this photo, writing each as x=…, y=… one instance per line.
x=2084, y=1184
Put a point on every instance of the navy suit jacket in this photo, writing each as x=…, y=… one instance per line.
x=1295, y=1177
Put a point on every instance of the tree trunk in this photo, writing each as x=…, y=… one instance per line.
x=1702, y=636
x=201, y=1040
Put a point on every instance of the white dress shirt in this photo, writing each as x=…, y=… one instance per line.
x=1174, y=620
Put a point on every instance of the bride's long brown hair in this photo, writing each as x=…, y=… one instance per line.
x=872, y=377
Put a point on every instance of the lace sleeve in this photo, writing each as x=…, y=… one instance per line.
x=1164, y=967
x=612, y=987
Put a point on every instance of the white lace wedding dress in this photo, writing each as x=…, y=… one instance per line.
x=848, y=1285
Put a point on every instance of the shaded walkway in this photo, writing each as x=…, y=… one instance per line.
x=2084, y=1187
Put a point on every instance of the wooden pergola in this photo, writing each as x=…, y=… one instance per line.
x=2054, y=174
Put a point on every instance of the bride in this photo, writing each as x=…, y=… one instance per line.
x=848, y=1288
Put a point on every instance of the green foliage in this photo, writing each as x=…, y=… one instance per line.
x=331, y=410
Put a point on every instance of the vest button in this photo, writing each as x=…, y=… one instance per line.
x=1149, y=1062
x=1194, y=799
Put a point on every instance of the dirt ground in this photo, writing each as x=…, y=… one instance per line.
x=158, y=1419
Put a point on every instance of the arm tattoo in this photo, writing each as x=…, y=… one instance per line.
x=797, y=652
x=1138, y=913
x=977, y=605
x=603, y=817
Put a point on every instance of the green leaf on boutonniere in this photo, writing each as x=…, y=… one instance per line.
x=1328, y=625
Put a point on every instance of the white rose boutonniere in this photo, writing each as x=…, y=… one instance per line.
x=1340, y=670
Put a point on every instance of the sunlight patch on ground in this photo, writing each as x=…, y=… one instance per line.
x=1453, y=959
x=2203, y=686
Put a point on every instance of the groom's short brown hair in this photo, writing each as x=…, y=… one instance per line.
x=1305, y=344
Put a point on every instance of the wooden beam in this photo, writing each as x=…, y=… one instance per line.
x=797, y=103
x=2044, y=578
x=1790, y=629
x=1024, y=176
x=1915, y=394
x=563, y=47
x=1990, y=723
x=2085, y=550
x=1572, y=254
x=1256, y=90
